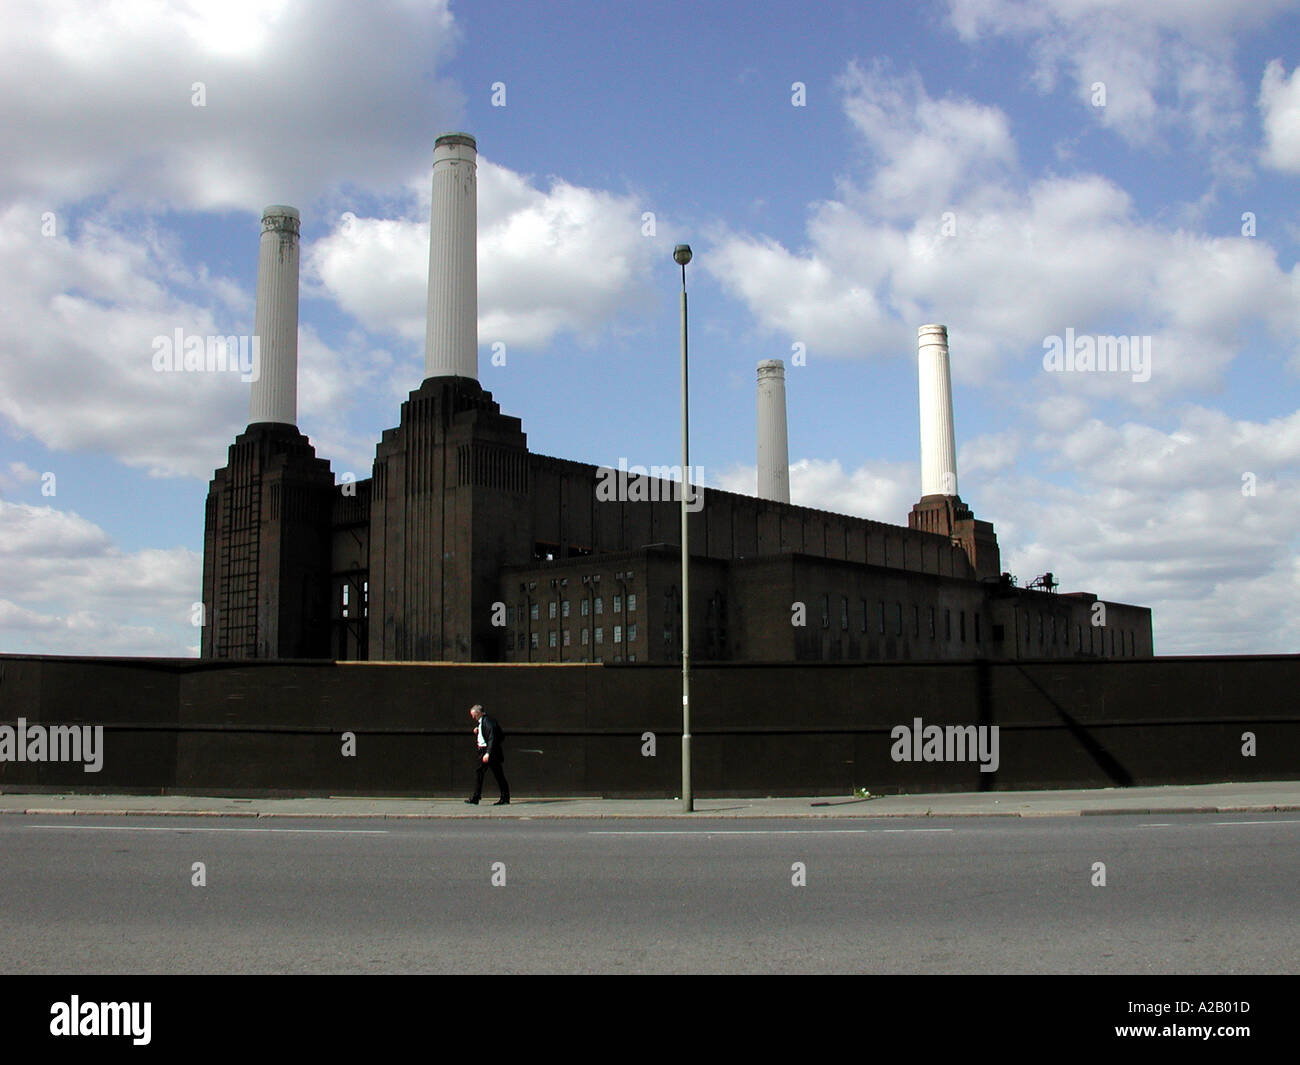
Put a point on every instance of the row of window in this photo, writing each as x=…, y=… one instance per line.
x=586, y=607
x=1127, y=639
x=1055, y=631
x=562, y=638
x=889, y=617
x=1052, y=629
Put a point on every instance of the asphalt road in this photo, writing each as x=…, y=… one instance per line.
x=1209, y=894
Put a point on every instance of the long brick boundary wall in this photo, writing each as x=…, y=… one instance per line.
x=191, y=726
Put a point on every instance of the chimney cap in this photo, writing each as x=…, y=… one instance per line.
x=280, y=210
x=450, y=139
x=925, y=329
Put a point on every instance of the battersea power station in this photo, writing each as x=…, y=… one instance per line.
x=464, y=546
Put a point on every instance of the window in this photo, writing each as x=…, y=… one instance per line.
x=533, y=642
x=881, y=604
x=1041, y=640
x=564, y=608
x=826, y=611
x=600, y=605
x=510, y=639
x=916, y=620
x=962, y=625
x=947, y=624
x=631, y=602
x=631, y=633
x=553, y=638
x=551, y=608
x=600, y=635
x=566, y=637
x=668, y=634
x=631, y=658
x=864, y=614
x=618, y=633
x=586, y=607
x=898, y=619
x=532, y=611
x=618, y=603
x=932, y=623
x=844, y=612
x=586, y=636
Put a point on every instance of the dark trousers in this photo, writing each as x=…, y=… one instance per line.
x=495, y=766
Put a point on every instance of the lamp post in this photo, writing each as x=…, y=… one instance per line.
x=681, y=256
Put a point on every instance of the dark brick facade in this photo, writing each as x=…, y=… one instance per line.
x=266, y=549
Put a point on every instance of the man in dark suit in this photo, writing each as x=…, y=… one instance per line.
x=490, y=756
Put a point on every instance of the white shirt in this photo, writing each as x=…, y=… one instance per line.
x=480, y=734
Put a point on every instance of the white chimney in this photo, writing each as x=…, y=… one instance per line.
x=451, y=337
x=938, y=450
x=275, y=323
x=773, y=445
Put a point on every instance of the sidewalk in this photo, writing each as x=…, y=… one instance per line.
x=1249, y=798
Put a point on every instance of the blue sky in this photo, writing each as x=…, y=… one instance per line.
x=1012, y=169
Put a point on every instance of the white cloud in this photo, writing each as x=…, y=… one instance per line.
x=1165, y=64
x=76, y=358
x=1166, y=518
x=925, y=149
x=299, y=96
x=561, y=260
x=78, y=373
x=880, y=491
x=15, y=474
x=1207, y=448
x=991, y=452
x=1008, y=268
x=1279, y=104
x=70, y=590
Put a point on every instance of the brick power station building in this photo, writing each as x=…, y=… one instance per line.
x=465, y=546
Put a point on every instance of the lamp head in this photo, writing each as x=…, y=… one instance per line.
x=682, y=254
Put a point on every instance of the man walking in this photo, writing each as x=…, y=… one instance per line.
x=490, y=755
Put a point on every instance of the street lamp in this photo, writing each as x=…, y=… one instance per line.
x=681, y=256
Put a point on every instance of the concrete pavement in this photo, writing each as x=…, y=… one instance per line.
x=1253, y=797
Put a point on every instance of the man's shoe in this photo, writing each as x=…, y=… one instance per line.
x=472, y=802
x=502, y=802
